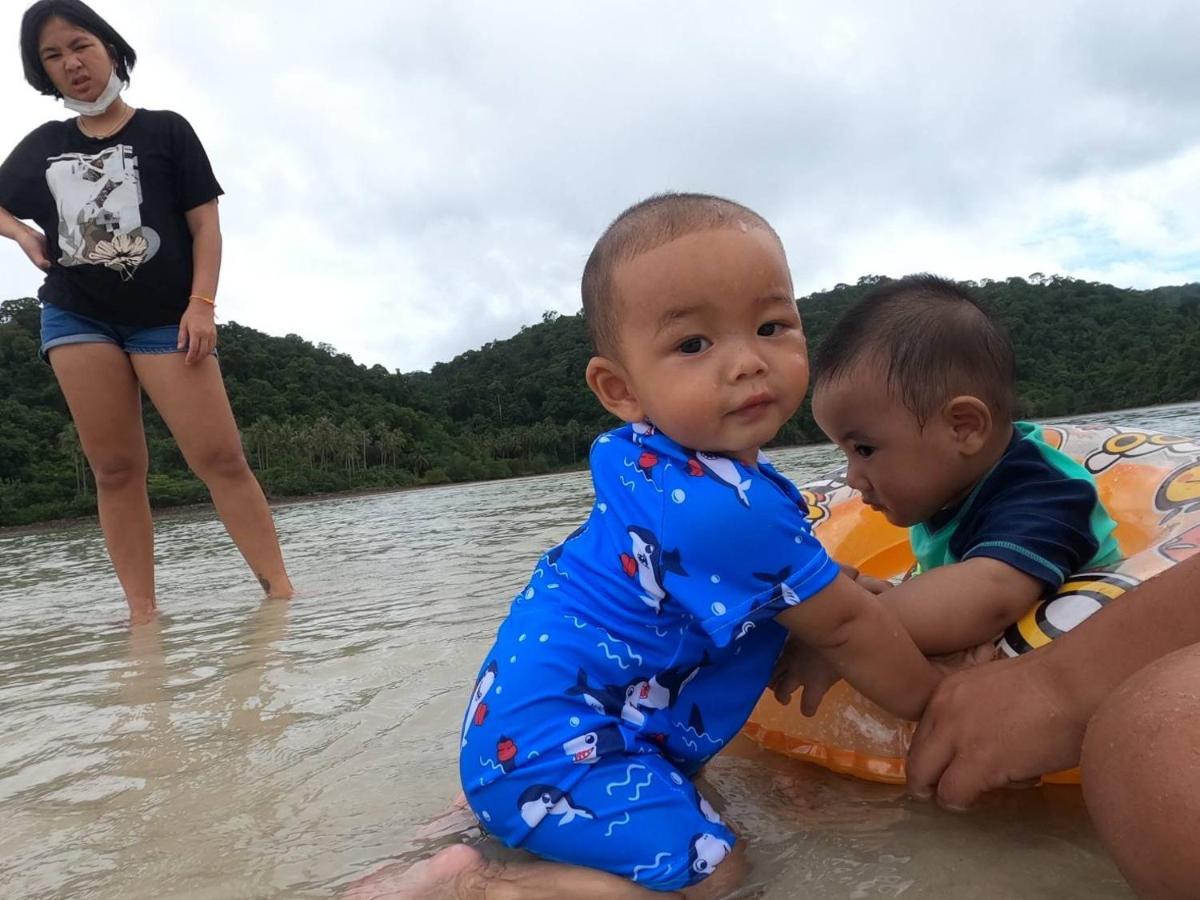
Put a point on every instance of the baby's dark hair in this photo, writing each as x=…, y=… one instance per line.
x=80, y=15
x=651, y=223
x=930, y=339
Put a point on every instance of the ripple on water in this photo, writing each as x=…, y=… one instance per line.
x=271, y=749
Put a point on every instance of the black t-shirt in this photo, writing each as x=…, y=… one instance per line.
x=113, y=214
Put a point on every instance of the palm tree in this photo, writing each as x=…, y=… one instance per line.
x=69, y=446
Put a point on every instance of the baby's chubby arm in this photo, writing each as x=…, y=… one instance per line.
x=865, y=640
x=960, y=606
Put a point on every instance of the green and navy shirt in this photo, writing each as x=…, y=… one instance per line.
x=1036, y=510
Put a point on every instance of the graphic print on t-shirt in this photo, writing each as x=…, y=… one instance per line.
x=98, y=198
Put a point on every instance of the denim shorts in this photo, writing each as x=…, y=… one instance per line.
x=61, y=326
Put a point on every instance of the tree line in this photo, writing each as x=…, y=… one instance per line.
x=314, y=421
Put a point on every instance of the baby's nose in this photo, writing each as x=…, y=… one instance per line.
x=747, y=361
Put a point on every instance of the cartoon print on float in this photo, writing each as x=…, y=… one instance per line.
x=1082, y=595
x=1136, y=444
x=98, y=198
x=816, y=506
x=1179, y=492
x=1180, y=546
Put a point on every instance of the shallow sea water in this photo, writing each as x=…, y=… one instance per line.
x=247, y=749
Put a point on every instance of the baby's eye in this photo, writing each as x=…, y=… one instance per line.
x=694, y=345
x=770, y=329
x=864, y=450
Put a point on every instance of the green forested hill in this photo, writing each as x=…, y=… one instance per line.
x=313, y=421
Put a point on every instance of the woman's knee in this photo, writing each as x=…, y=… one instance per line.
x=220, y=464
x=115, y=471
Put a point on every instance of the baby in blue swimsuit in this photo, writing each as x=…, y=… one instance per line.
x=641, y=643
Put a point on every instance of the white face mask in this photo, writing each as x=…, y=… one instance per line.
x=101, y=103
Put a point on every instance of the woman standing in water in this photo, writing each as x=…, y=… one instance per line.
x=130, y=243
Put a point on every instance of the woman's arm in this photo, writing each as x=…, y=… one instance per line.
x=1008, y=722
x=32, y=241
x=197, y=328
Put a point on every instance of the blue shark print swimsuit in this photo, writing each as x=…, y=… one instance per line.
x=634, y=654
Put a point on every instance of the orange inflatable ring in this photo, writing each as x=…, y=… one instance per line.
x=1150, y=484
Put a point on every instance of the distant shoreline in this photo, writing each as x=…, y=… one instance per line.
x=167, y=512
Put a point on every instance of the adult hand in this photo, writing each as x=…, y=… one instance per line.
x=33, y=242
x=801, y=666
x=1001, y=724
x=198, y=331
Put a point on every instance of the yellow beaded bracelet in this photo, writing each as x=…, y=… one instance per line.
x=207, y=300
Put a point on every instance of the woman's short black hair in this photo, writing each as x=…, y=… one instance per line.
x=80, y=15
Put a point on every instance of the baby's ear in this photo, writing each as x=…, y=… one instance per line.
x=971, y=422
x=610, y=383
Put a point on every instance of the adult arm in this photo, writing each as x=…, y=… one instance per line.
x=1008, y=722
x=32, y=241
x=955, y=607
x=197, y=328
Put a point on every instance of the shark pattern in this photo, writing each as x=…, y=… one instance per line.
x=589, y=747
x=783, y=590
x=725, y=470
x=604, y=699
x=649, y=563
x=477, y=710
x=553, y=554
x=706, y=852
x=641, y=431
x=661, y=690
x=543, y=800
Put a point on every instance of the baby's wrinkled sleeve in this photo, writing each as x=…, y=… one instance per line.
x=740, y=550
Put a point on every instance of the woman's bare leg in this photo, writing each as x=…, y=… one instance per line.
x=1141, y=776
x=102, y=394
x=193, y=403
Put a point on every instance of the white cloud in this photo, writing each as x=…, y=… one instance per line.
x=407, y=182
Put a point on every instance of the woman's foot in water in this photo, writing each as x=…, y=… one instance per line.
x=142, y=612
x=278, y=588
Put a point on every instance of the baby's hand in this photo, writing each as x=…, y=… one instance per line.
x=948, y=663
x=870, y=583
x=799, y=666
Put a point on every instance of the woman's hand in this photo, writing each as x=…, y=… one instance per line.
x=994, y=726
x=198, y=331
x=33, y=242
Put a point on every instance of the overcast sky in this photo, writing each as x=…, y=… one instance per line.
x=409, y=180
